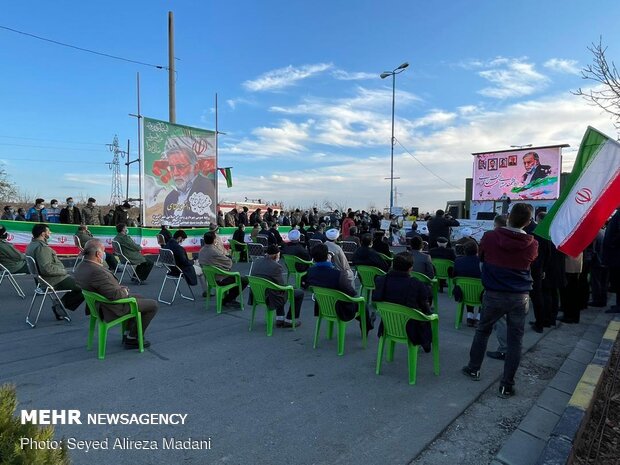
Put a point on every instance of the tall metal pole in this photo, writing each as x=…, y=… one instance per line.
x=217, y=176
x=127, y=164
x=171, y=70
x=139, y=155
x=392, y=145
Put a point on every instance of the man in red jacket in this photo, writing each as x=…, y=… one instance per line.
x=506, y=254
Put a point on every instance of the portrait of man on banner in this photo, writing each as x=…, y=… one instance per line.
x=180, y=185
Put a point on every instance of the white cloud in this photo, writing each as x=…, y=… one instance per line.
x=512, y=77
x=233, y=102
x=343, y=75
x=286, y=139
x=562, y=65
x=284, y=77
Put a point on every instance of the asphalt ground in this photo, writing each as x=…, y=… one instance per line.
x=255, y=399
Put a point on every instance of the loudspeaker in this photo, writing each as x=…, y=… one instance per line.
x=415, y=211
x=486, y=215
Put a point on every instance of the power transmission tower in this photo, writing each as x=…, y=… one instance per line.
x=115, y=166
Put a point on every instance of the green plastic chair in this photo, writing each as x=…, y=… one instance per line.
x=472, y=291
x=326, y=300
x=442, y=271
x=395, y=318
x=367, y=275
x=235, y=253
x=259, y=286
x=290, y=261
x=387, y=258
x=91, y=299
x=434, y=283
x=210, y=272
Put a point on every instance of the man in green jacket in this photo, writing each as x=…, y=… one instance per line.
x=52, y=270
x=10, y=257
x=131, y=250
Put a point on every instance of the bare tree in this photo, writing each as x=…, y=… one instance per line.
x=8, y=190
x=606, y=93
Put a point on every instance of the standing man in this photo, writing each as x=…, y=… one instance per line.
x=37, y=212
x=53, y=213
x=70, y=214
x=53, y=271
x=611, y=257
x=92, y=277
x=439, y=226
x=91, y=213
x=506, y=255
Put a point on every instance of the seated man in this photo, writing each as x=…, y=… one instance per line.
x=380, y=244
x=273, y=229
x=421, y=261
x=210, y=254
x=239, y=236
x=53, y=271
x=468, y=266
x=365, y=255
x=91, y=276
x=84, y=235
x=165, y=232
x=324, y=274
x=268, y=234
x=444, y=252
x=295, y=248
x=269, y=268
x=339, y=259
x=131, y=250
x=191, y=272
x=12, y=259
x=352, y=237
x=399, y=288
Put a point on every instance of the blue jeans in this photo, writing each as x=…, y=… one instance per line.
x=494, y=306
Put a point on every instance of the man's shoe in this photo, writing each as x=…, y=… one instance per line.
x=506, y=391
x=537, y=329
x=204, y=293
x=279, y=323
x=567, y=321
x=232, y=304
x=471, y=323
x=289, y=324
x=471, y=374
x=132, y=343
x=497, y=355
x=59, y=312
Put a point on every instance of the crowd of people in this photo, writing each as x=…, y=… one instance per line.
x=514, y=266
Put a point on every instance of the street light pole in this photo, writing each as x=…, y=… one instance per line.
x=385, y=74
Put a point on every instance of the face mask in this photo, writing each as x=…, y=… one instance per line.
x=40, y=206
x=69, y=204
x=103, y=258
x=54, y=205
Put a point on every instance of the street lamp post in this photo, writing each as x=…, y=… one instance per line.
x=385, y=74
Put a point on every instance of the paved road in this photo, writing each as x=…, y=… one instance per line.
x=258, y=400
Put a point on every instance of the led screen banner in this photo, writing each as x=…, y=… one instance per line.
x=179, y=174
x=527, y=174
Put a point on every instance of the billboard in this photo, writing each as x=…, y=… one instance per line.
x=179, y=174
x=526, y=174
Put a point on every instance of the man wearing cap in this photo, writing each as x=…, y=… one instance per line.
x=269, y=268
x=121, y=214
x=70, y=214
x=10, y=257
x=339, y=259
x=165, y=232
x=91, y=213
x=211, y=255
x=191, y=202
x=217, y=243
x=442, y=250
x=295, y=248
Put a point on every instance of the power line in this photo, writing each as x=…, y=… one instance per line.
x=2, y=158
x=83, y=49
x=426, y=167
x=50, y=147
x=53, y=140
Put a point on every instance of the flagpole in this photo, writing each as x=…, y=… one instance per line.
x=216, y=161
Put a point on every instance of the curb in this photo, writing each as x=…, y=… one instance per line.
x=559, y=446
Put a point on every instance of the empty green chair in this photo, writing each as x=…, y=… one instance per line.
x=236, y=249
x=367, y=275
x=91, y=299
x=326, y=300
x=472, y=295
x=395, y=318
x=259, y=286
x=290, y=262
x=434, y=283
x=387, y=258
x=443, y=270
x=210, y=273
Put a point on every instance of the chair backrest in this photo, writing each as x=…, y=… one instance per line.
x=262, y=240
x=472, y=290
x=118, y=250
x=420, y=277
x=327, y=298
x=210, y=272
x=349, y=247
x=166, y=258
x=385, y=257
x=236, y=245
x=259, y=286
x=313, y=242
x=160, y=240
x=77, y=242
x=291, y=260
x=33, y=269
x=91, y=299
x=368, y=274
x=395, y=318
x=256, y=250
x=442, y=267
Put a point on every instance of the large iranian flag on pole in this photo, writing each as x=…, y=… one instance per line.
x=591, y=194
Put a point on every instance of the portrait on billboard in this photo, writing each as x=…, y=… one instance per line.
x=482, y=164
x=503, y=163
x=492, y=164
x=179, y=168
x=512, y=160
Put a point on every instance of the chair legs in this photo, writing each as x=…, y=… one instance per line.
x=270, y=316
x=341, y=327
x=176, y=289
x=38, y=291
x=459, y=315
x=412, y=354
x=412, y=357
x=14, y=283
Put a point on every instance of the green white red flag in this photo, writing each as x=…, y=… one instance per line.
x=589, y=197
x=227, y=173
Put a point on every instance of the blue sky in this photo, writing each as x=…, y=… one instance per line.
x=306, y=116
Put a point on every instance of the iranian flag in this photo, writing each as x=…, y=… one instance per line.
x=589, y=197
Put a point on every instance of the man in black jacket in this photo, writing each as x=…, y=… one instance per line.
x=439, y=226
